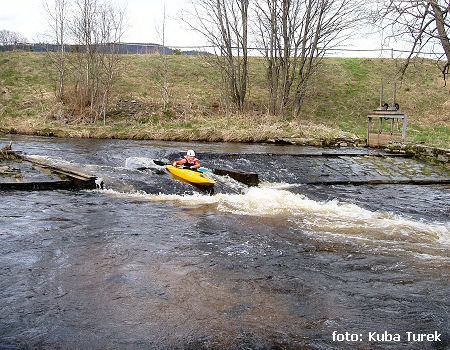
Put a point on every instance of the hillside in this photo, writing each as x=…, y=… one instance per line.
x=342, y=94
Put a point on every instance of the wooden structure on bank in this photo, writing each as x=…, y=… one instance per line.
x=385, y=126
x=387, y=123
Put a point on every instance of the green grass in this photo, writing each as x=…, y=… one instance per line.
x=342, y=93
x=439, y=134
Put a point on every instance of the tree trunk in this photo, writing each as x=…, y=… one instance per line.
x=443, y=37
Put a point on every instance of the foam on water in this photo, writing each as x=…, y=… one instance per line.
x=328, y=216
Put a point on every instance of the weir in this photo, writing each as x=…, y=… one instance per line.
x=338, y=168
x=333, y=154
x=252, y=179
x=438, y=181
x=65, y=179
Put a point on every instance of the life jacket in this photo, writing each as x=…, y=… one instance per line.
x=188, y=164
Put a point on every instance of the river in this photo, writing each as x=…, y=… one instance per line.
x=149, y=263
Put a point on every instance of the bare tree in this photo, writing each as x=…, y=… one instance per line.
x=295, y=35
x=96, y=28
x=57, y=14
x=111, y=32
x=277, y=21
x=85, y=36
x=224, y=23
x=4, y=37
x=425, y=22
x=8, y=37
x=163, y=54
x=86, y=74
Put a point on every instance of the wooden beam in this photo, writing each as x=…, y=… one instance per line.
x=37, y=185
x=249, y=179
x=61, y=170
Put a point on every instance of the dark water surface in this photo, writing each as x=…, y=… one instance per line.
x=149, y=263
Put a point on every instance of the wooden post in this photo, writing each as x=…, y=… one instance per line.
x=381, y=94
x=394, y=94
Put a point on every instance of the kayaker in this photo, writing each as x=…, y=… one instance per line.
x=189, y=161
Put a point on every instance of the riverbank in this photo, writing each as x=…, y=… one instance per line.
x=221, y=130
x=334, y=112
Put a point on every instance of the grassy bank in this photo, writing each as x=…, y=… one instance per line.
x=342, y=94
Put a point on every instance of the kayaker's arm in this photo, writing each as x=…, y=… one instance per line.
x=196, y=165
x=179, y=162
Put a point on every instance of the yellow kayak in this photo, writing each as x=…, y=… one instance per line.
x=192, y=177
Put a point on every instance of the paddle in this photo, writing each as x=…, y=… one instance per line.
x=160, y=162
x=157, y=162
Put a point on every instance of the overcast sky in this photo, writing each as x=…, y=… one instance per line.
x=143, y=18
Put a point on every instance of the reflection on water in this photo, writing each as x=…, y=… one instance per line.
x=151, y=264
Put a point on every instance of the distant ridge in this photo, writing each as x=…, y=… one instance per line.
x=123, y=48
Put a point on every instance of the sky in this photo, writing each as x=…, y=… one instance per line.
x=143, y=18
